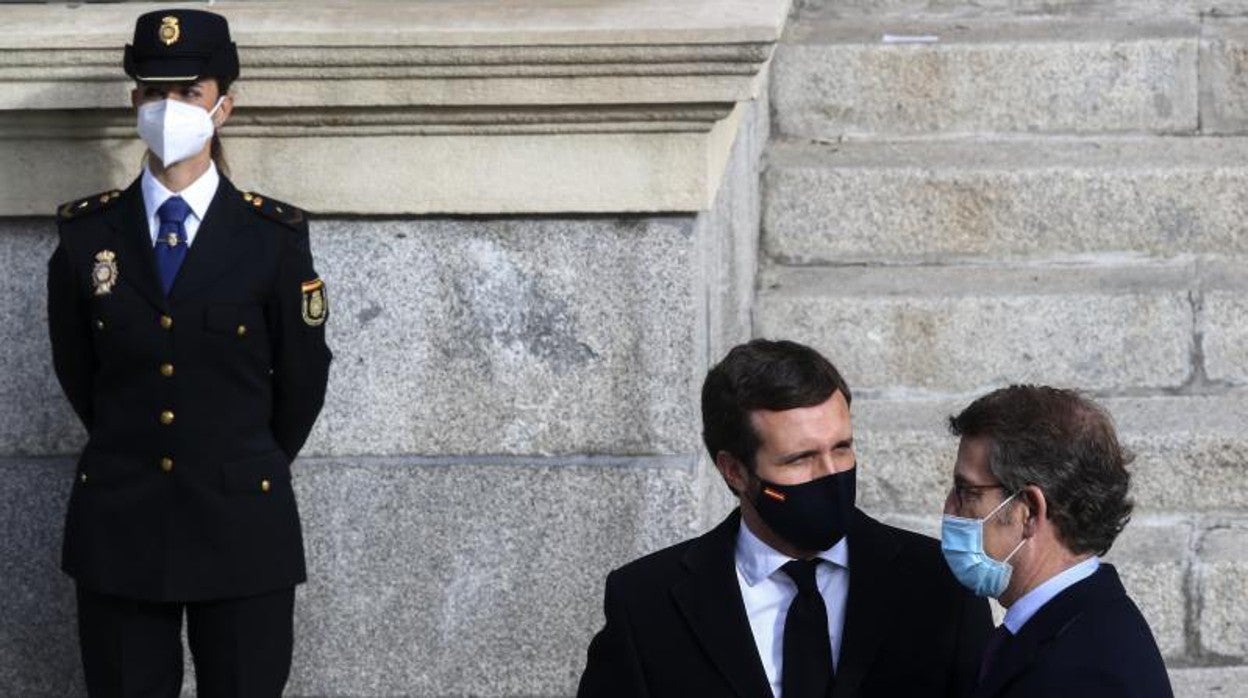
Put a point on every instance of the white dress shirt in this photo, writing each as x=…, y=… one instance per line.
x=198, y=196
x=1022, y=610
x=767, y=591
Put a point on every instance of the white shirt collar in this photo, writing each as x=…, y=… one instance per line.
x=1031, y=602
x=198, y=195
x=758, y=561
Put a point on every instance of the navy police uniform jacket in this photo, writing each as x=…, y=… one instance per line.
x=195, y=404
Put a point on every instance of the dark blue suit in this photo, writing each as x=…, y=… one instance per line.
x=677, y=626
x=1089, y=640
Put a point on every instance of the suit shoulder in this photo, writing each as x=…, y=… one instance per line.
x=85, y=207
x=279, y=212
x=653, y=567
x=1115, y=614
x=1084, y=642
x=658, y=563
x=911, y=544
x=921, y=556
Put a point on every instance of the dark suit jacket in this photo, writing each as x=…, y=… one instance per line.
x=202, y=507
x=1089, y=640
x=676, y=624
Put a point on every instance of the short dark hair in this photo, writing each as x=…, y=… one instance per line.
x=1066, y=445
x=761, y=375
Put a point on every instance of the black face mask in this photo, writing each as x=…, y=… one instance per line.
x=813, y=515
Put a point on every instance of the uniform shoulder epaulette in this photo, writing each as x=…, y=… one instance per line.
x=273, y=209
x=81, y=207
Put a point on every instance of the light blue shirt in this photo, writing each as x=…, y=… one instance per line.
x=767, y=592
x=1018, y=614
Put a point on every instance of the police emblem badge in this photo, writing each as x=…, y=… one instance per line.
x=104, y=273
x=169, y=30
x=315, y=303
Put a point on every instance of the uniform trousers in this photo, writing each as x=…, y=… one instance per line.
x=133, y=649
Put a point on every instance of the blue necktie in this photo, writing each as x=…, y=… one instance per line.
x=171, y=240
x=996, y=641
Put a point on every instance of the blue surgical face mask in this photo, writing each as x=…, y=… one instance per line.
x=962, y=542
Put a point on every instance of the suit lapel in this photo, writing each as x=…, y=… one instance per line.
x=710, y=600
x=137, y=263
x=1019, y=652
x=1053, y=619
x=215, y=249
x=870, y=604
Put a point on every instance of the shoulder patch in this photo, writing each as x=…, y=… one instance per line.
x=275, y=210
x=82, y=207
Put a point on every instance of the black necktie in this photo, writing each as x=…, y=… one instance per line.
x=992, y=650
x=807, y=668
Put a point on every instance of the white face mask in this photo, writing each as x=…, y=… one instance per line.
x=173, y=130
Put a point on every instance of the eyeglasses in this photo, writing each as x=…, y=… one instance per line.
x=965, y=495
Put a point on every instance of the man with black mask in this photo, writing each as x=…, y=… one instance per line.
x=810, y=597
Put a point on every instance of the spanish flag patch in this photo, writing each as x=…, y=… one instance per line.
x=315, y=302
x=778, y=496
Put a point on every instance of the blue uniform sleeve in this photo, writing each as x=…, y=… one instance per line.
x=301, y=356
x=73, y=355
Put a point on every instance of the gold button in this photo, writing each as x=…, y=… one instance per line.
x=99, y=324
x=166, y=322
x=264, y=486
x=166, y=370
x=242, y=330
x=166, y=464
x=166, y=417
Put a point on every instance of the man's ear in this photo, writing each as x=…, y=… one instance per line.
x=136, y=97
x=1037, y=511
x=732, y=470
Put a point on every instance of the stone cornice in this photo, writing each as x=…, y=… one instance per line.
x=531, y=92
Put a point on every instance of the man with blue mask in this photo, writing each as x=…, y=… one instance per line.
x=1039, y=494
x=187, y=328
x=798, y=594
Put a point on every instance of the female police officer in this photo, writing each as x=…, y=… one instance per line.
x=187, y=329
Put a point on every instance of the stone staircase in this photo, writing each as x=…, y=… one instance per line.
x=961, y=195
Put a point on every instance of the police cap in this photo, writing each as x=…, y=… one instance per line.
x=181, y=46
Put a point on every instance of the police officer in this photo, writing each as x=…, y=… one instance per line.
x=187, y=328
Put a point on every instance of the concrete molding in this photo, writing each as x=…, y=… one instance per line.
x=501, y=89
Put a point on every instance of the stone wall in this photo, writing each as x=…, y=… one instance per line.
x=962, y=195
x=538, y=227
